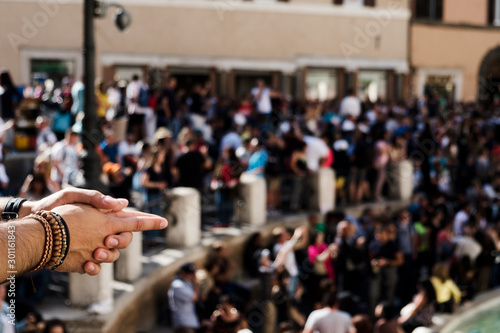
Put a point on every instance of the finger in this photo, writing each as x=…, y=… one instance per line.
x=91, y=268
x=138, y=223
x=131, y=213
x=119, y=241
x=93, y=198
x=105, y=255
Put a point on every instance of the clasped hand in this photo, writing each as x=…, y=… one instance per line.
x=98, y=226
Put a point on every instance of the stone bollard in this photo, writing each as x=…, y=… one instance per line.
x=400, y=180
x=85, y=289
x=129, y=266
x=186, y=210
x=251, y=205
x=119, y=127
x=323, y=190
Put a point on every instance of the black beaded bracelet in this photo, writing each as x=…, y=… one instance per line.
x=65, y=231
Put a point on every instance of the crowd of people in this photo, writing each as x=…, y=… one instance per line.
x=380, y=273
x=435, y=254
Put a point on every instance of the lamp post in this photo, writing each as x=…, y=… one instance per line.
x=91, y=134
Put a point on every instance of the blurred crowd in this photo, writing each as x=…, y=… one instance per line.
x=381, y=272
x=435, y=254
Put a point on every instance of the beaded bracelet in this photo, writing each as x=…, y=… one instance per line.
x=57, y=234
x=47, y=252
x=61, y=239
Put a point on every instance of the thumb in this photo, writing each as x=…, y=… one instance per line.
x=112, y=204
x=93, y=198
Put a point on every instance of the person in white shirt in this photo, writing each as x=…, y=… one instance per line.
x=182, y=297
x=231, y=139
x=461, y=218
x=329, y=319
x=466, y=245
x=133, y=90
x=64, y=158
x=262, y=96
x=350, y=105
x=77, y=93
x=316, y=152
x=46, y=138
x=137, y=101
x=128, y=151
x=284, y=251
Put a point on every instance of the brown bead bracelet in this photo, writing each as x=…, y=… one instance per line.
x=47, y=252
x=61, y=239
x=57, y=234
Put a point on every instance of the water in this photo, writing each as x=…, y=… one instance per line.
x=485, y=322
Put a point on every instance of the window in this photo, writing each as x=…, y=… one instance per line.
x=372, y=85
x=443, y=85
x=321, y=84
x=367, y=3
x=429, y=9
x=494, y=12
x=245, y=81
x=51, y=69
x=124, y=72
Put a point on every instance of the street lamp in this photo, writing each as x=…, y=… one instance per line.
x=121, y=17
x=91, y=134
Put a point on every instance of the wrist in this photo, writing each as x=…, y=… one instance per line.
x=33, y=240
x=26, y=209
x=12, y=209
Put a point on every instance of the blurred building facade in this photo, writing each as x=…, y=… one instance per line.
x=305, y=48
x=455, y=48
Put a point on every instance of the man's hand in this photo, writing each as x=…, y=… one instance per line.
x=96, y=199
x=90, y=234
x=73, y=195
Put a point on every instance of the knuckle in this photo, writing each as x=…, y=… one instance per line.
x=94, y=194
x=112, y=227
x=139, y=224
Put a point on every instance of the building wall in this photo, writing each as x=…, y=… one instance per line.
x=458, y=49
x=465, y=11
x=280, y=36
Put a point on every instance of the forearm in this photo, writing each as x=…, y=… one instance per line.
x=324, y=255
x=301, y=241
x=21, y=247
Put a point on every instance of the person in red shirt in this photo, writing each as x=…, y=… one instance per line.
x=229, y=174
